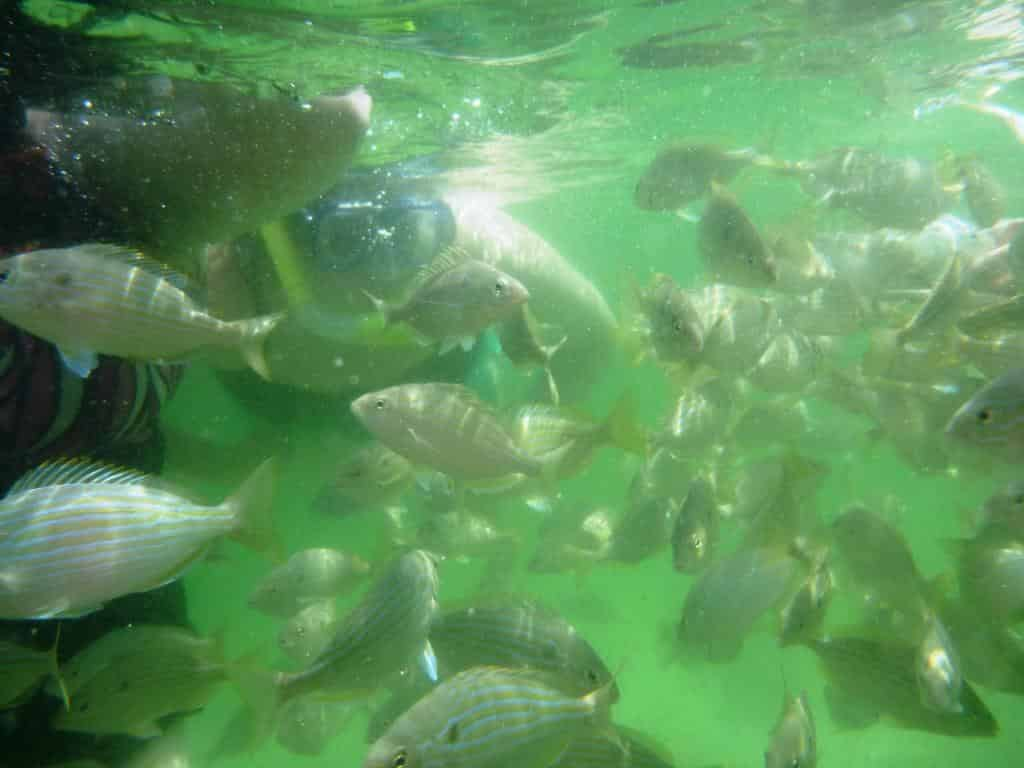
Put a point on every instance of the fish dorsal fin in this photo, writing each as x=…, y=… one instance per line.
x=69, y=471
x=135, y=258
x=444, y=262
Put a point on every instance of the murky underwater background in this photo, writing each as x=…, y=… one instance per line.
x=555, y=109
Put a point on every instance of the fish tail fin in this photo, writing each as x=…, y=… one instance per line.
x=256, y=331
x=261, y=693
x=252, y=505
x=379, y=305
x=55, y=671
x=552, y=385
x=622, y=428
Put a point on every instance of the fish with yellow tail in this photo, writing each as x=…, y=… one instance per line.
x=96, y=299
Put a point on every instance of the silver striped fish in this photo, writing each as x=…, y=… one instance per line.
x=516, y=633
x=104, y=299
x=75, y=534
x=383, y=632
x=446, y=427
x=490, y=716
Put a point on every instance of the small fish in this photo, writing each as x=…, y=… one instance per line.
x=695, y=531
x=645, y=526
x=991, y=356
x=455, y=298
x=461, y=534
x=306, y=634
x=75, y=534
x=940, y=307
x=699, y=417
x=730, y=596
x=833, y=309
x=387, y=629
x=374, y=476
x=573, y=544
x=1004, y=315
x=991, y=575
x=940, y=680
x=880, y=561
x=626, y=748
x=803, y=615
x=22, y=668
x=102, y=299
x=159, y=671
x=683, y=172
x=676, y=330
x=565, y=441
x=794, y=741
x=993, y=418
x=1002, y=514
x=307, y=576
x=904, y=193
x=789, y=363
x=446, y=427
x=730, y=245
x=490, y=716
x=307, y=725
x=518, y=633
x=738, y=328
x=875, y=679
x=520, y=337
x=986, y=197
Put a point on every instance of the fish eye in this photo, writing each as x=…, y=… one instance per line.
x=398, y=761
x=379, y=403
x=984, y=415
x=499, y=288
x=4, y=275
x=677, y=325
x=591, y=676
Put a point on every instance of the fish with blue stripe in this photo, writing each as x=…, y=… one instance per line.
x=76, y=534
x=491, y=716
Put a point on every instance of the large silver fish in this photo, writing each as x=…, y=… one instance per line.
x=74, y=535
x=102, y=299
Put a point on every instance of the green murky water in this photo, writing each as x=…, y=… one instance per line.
x=555, y=109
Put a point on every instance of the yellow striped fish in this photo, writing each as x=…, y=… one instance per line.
x=446, y=427
x=104, y=299
x=74, y=535
x=490, y=716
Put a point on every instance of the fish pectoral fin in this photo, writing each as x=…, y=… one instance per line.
x=428, y=662
x=80, y=362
